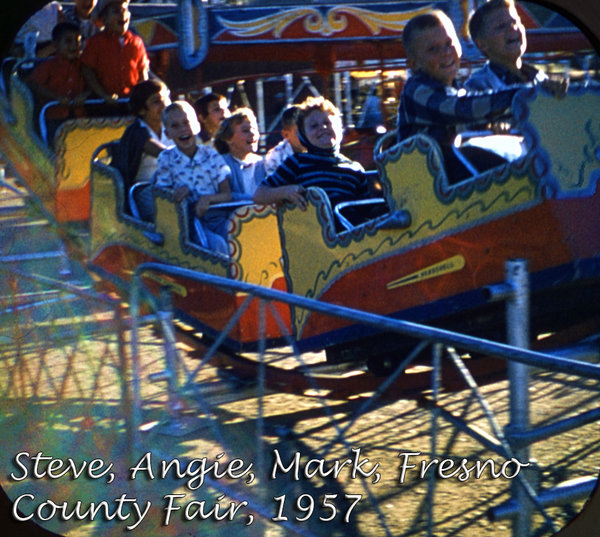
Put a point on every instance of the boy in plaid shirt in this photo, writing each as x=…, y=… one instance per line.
x=432, y=104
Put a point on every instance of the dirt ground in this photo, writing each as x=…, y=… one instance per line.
x=67, y=393
x=62, y=397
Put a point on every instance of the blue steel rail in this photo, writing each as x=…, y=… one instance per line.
x=509, y=443
x=407, y=328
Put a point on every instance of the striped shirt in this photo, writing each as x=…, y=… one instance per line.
x=341, y=178
x=429, y=107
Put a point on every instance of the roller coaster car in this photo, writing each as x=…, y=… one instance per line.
x=428, y=261
x=120, y=242
x=60, y=178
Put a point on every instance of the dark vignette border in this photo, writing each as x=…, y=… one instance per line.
x=14, y=14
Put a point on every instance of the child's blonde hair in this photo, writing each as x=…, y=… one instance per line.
x=433, y=19
x=226, y=128
x=189, y=111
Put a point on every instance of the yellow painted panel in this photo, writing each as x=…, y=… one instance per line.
x=76, y=142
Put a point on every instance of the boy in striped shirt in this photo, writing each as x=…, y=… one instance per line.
x=321, y=165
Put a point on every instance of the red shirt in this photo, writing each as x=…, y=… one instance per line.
x=61, y=76
x=119, y=63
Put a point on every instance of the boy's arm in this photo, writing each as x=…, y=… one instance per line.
x=204, y=202
x=556, y=87
x=144, y=72
x=489, y=105
x=437, y=106
x=265, y=195
x=47, y=94
x=474, y=106
x=153, y=147
x=80, y=99
x=281, y=186
x=89, y=75
x=224, y=193
x=144, y=62
x=37, y=81
x=163, y=179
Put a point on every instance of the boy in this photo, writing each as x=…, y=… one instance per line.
x=115, y=59
x=59, y=78
x=290, y=143
x=321, y=165
x=135, y=155
x=497, y=31
x=211, y=108
x=192, y=171
x=430, y=102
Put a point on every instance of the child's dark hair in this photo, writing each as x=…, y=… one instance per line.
x=103, y=7
x=142, y=91
x=289, y=116
x=418, y=24
x=201, y=104
x=478, y=19
x=63, y=28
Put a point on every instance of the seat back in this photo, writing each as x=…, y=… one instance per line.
x=141, y=201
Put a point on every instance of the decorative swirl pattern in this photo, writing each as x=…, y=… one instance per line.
x=314, y=22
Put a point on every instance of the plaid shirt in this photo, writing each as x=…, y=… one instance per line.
x=493, y=76
x=429, y=107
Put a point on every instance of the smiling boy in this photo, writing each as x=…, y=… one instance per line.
x=431, y=103
x=194, y=171
x=497, y=31
x=80, y=12
x=60, y=78
x=320, y=131
x=115, y=59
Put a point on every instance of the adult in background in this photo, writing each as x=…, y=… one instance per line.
x=80, y=13
x=34, y=38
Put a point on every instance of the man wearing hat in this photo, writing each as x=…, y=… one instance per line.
x=115, y=59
